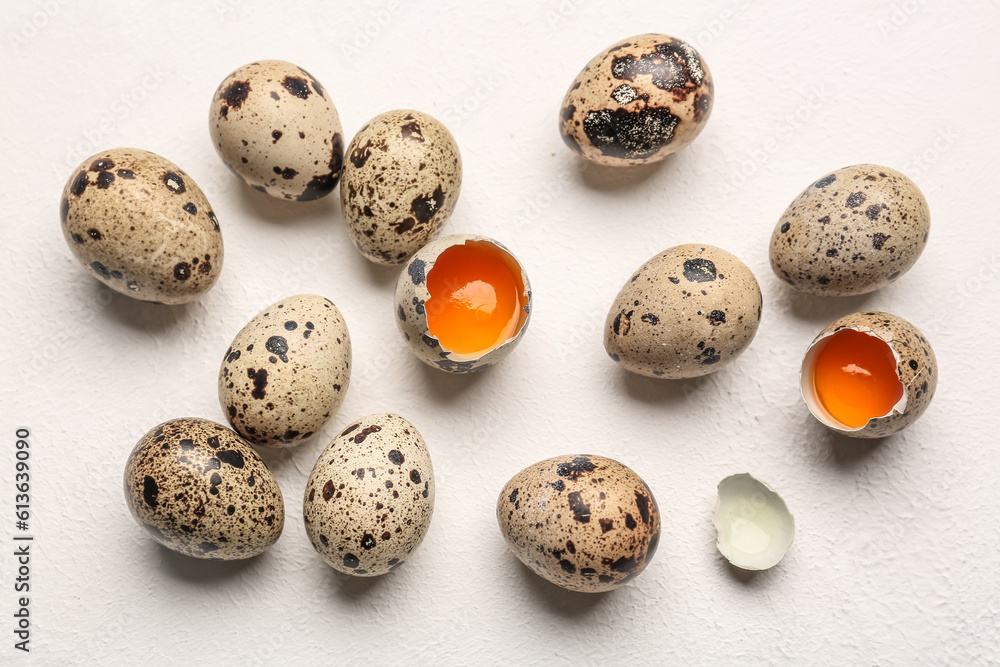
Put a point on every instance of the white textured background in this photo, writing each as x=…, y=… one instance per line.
x=897, y=557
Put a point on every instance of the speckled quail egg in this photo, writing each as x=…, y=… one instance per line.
x=142, y=226
x=276, y=128
x=287, y=371
x=642, y=99
x=688, y=311
x=853, y=231
x=401, y=182
x=869, y=375
x=462, y=303
x=586, y=523
x=200, y=490
x=369, y=500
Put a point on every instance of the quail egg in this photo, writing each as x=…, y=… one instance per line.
x=275, y=126
x=200, y=490
x=642, y=99
x=370, y=497
x=401, y=182
x=869, y=375
x=853, y=231
x=754, y=525
x=286, y=372
x=462, y=303
x=689, y=311
x=139, y=224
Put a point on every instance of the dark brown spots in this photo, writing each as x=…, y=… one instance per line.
x=424, y=208
x=367, y=541
x=402, y=227
x=365, y=432
x=650, y=318
x=630, y=522
x=277, y=345
x=581, y=510
x=785, y=227
x=127, y=174
x=825, y=181
x=174, y=183
x=287, y=173
x=575, y=469
x=412, y=131
x=105, y=179
x=101, y=270
x=351, y=561
x=234, y=95
x=359, y=156
x=606, y=525
x=699, y=270
x=275, y=135
x=567, y=566
x=190, y=208
x=878, y=239
x=622, y=323
x=624, y=564
x=230, y=457
x=630, y=135
x=856, y=199
x=182, y=271
x=102, y=164
x=259, y=383
x=150, y=491
x=328, y=490
x=79, y=184
x=716, y=317
x=296, y=86
x=642, y=502
x=323, y=184
x=94, y=234
x=670, y=66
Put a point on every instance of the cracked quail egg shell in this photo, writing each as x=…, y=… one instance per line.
x=287, y=371
x=199, y=489
x=869, y=375
x=638, y=101
x=142, y=226
x=586, y=523
x=370, y=497
x=688, y=311
x=401, y=182
x=462, y=303
x=754, y=525
x=276, y=128
x=853, y=231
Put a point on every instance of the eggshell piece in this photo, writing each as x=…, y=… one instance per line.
x=688, y=311
x=200, y=490
x=586, y=523
x=287, y=371
x=141, y=225
x=401, y=183
x=753, y=524
x=276, y=127
x=640, y=100
x=916, y=368
x=853, y=231
x=369, y=500
x=412, y=294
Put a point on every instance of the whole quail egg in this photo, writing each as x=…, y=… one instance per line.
x=853, y=231
x=200, y=490
x=462, y=303
x=688, y=311
x=139, y=224
x=640, y=100
x=287, y=371
x=401, y=182
x=369, y=500
x=275, y=126
x=586, y=523
x=869, y=375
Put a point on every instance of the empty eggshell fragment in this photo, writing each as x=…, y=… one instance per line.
x=869, y=375
x=370, y=497
x=275, y=126
x=853, y=231
x=462, y=303
x=200, y=490
x=754, y=525
x=287, y=371
x=586, y=523
x=688, y=311
x=401, y=182
x=640, y=100
x=139, y=224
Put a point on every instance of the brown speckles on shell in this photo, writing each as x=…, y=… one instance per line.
x=369, y=499
x=637, y=102
x=586, y=523
x=851, y=232
x=688, y=311
x=271, y=100
x=287, y=371
x=123, y=222
x=917, y=368
x=401, y=183
x=198, y=489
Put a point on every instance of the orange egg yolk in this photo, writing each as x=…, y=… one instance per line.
x=855, y=378
x=476, y=299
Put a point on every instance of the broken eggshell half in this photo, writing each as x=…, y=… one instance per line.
x=754, y=525
x=911, y=370
x=462, y=303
